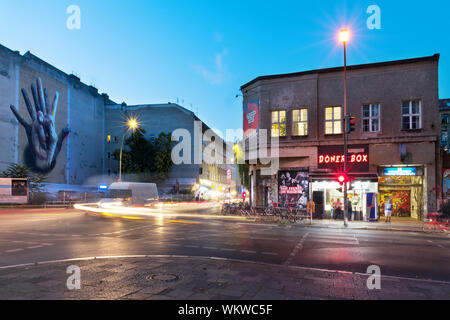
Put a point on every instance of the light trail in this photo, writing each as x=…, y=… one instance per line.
x=158, y=211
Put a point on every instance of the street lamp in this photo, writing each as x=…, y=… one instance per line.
x=344, y=36
x=132, y=125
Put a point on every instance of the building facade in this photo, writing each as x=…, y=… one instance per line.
x=393, y=153
x=74, y=148
x=444, y=109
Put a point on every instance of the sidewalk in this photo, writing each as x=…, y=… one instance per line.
x=192, y=278
x=406, y=226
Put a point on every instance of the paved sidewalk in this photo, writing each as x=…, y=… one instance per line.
x=191, y=278
x=411, y=226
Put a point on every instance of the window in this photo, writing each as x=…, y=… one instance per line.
x=371, y=117
x=278, y=123
x=300, y=122
x=108, y=138
x=444, y=119
x=333, y=120
x=411, y=115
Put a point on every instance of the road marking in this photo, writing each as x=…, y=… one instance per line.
x=190, y=246
x=35, y=247
x=297, y=248
x=270, y=253
x=13, y=250
x=211, y=258
x=248, y=251
x=261, y=238
x=210, y=248
x=226, y=249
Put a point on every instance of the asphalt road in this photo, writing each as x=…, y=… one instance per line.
x=37, y=235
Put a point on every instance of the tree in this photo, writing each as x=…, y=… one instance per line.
x=163, y=161
x=145, y=157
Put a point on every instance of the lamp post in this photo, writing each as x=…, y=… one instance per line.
x=132, y=124
x=344, y=36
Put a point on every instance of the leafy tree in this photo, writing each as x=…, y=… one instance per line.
x=145, y=157
x=163, y=161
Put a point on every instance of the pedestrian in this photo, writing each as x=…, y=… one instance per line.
x=349, y=208
x=311, y=208
x=388, y=211
x=332, y=208
x=338, y=209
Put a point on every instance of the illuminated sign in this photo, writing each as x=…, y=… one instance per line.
x=332, y=157
x=400, y=171
x=358, y=158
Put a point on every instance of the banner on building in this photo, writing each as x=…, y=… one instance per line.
x=251, y=117
x=293, y=188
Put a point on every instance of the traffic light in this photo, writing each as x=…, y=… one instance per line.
x=341, y=178
x=351, y=123
x=244, y=195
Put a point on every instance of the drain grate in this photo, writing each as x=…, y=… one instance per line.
x=164, y=277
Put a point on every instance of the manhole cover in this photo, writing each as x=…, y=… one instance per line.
x=163, y=277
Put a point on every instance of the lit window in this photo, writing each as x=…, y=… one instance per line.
x=278, y=123
x=333, y=120
x=371, y=118
x=411, y=115
x=108, y=138
x=300, y=122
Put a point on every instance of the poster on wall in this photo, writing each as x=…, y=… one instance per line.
x=44, y=143
x=446, y=183
x=251, y=118
x=293, y=188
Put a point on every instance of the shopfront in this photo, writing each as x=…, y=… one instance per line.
x=404, y=185
x=326, y=192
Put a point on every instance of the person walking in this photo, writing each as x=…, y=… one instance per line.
x=338, y=211
x=388, y=211
x=311, y=208
x=332, y=208
x=349, y=208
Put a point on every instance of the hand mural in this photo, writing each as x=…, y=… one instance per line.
x=43, y=141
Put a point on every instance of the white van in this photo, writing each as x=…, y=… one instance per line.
x=131, y=193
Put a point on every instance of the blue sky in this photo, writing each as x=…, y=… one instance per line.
x=200, y=52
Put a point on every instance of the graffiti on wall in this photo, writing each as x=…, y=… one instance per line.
x=44, y=144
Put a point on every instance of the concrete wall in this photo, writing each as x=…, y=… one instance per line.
x=79, y=106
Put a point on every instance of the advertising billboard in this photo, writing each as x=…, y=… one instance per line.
x=293, y=188
x=13, y=190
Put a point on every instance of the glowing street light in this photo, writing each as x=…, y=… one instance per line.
x=344, y=37
x=132, y=124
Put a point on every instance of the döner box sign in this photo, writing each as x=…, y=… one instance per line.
x=332, y=157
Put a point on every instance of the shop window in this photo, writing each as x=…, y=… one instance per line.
x=333, y=120
x=371, y=118
x=278, y=123
x=300, y=122
x=411, y=115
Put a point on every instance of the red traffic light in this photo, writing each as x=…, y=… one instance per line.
x=341, y=178
x=244, y=195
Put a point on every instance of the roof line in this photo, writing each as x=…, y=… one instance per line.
x=434, y=57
